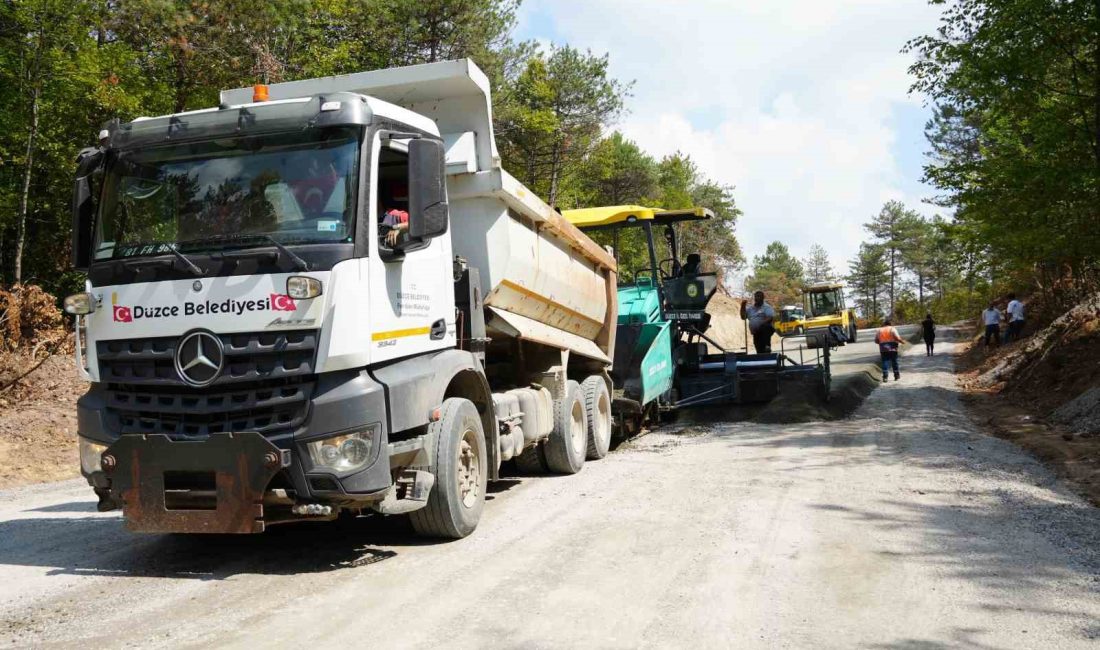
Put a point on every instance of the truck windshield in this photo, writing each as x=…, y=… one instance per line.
x=295, y=188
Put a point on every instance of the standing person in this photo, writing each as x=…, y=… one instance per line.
x=992, y=319
x=928, y=327
x=888, y=341
x=1015, y=317
x=761, y=317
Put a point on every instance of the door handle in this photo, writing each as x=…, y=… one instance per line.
x=439, y=330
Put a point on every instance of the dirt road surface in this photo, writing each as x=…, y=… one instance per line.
x=902, y=527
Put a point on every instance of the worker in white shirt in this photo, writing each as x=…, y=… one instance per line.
x=992, y=319
x=1015, y=319
x=761, y=317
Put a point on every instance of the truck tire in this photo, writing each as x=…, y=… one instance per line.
x=854, y=331
x=461, y=473
x=597, y=409
x=568, y=444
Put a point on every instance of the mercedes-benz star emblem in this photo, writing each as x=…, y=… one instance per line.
x=199, y=358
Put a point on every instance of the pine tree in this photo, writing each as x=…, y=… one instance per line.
x=817, y=265
x=868, y=276
x=557, y=109
x=893, y=227
x=777, y=273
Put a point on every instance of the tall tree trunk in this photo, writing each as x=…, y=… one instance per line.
x=555, y=172
x=181, y=80
x=1096, y=90
x=24, y=198
x=1096, y=106
x=893, y=273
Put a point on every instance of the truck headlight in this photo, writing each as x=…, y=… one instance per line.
x=91, y=454
x=346, y=452
x=80, y=304
x=301, y=287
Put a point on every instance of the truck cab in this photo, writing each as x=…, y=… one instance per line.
x=294, y=308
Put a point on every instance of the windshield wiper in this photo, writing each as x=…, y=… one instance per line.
x=300, y=263
x=183, y=258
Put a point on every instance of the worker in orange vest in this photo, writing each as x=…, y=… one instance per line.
x=888, y=341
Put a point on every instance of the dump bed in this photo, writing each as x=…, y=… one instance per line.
x=542, y=278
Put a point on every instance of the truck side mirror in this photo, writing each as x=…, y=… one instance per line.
x=88, y=162
x=427, y=192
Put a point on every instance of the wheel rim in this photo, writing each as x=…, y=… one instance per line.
x=576, y=427
x=469, y=469
x=603, y=419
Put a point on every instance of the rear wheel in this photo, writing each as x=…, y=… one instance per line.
x=568, y=443
x=461, y=473
x=597, y=408
x=852, y=331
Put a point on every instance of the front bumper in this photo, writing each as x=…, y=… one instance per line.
x=216, y=485
x=234, y=468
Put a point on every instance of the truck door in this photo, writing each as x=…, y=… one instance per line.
x=412, y=291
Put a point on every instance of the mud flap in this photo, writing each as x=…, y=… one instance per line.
x=214, y=485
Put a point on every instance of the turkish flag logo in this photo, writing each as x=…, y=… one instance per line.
x=282, y=302
x=122, y=314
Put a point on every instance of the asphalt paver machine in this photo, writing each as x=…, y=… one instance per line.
x=664, y=359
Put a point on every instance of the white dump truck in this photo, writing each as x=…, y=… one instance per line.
x=327, y=295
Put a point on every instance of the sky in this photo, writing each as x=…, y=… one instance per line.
x=801, y=105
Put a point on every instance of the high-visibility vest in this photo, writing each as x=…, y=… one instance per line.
x=887, y=334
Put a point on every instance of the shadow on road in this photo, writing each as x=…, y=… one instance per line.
x=100, y=545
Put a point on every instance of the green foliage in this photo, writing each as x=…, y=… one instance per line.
x=895, y=228
x=618, y=173
x=682, y=185
x=938, y=265
x=1016, y=135
x=868, y=278
x=817, y=266
x=778, y=274
x=93, y=60
x=553, y=115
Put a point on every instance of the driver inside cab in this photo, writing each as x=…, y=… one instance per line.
x=393, y=224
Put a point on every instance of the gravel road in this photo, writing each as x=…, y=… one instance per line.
x=901, y=527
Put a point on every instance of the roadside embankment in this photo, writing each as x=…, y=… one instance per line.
x=38, y=389
x=1043, y=393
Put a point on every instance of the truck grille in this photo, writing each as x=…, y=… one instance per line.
x=265, y=386
x=248, y=357
x=270, y=407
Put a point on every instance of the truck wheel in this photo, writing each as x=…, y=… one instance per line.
x=854, y=331
x=461, y=472
x=567, y=445
x=597, y=409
